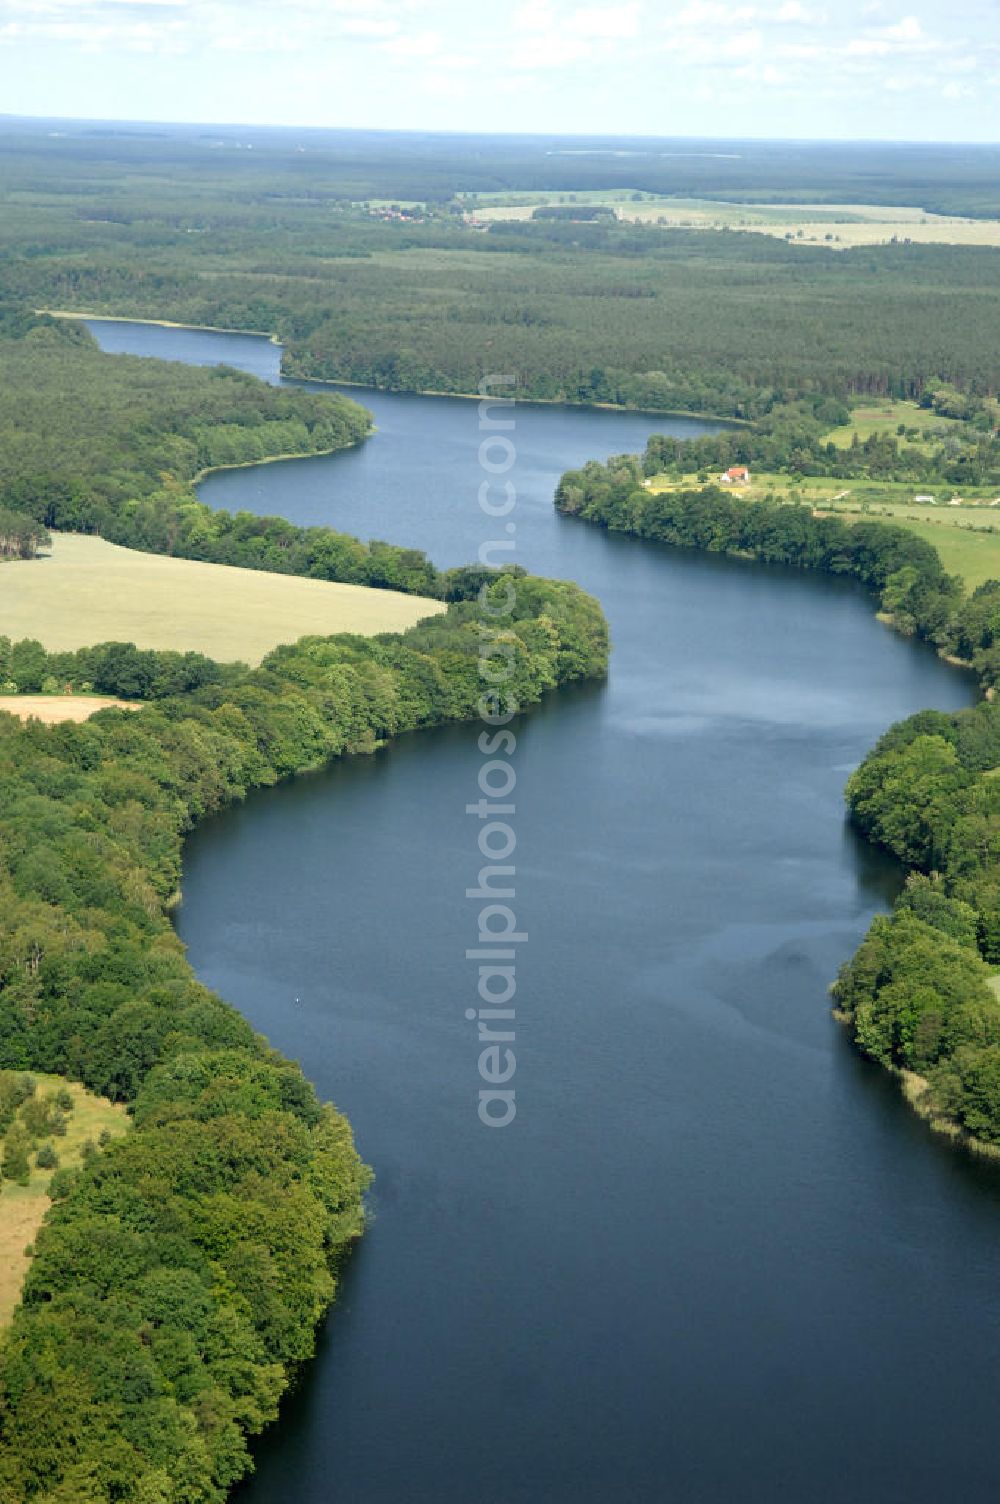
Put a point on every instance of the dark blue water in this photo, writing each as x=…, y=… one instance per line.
x=194, y=347
x=715, y=1258
x=418, y=483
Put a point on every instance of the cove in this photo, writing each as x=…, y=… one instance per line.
x=716, y=1258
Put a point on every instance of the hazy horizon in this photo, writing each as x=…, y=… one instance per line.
x=143, y=122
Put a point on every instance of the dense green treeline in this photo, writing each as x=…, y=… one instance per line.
x=900, y=568
x=20, y=537
x=793, y=438
x=181, y=1273
x=83, y=436
x=119, y=458
x=918, y=995
x=108, y=668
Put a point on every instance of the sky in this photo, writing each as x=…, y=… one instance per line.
x=921, y=70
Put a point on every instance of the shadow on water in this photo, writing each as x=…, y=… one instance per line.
x=301, y=1414
x=880, y=876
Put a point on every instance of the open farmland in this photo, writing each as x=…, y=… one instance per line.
x=87, y=591
x=836, y=226
x=966, y=535
x=51, y=710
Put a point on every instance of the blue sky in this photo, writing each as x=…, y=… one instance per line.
x=874, y=69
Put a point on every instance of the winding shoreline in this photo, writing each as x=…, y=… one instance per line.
x=674, y=530
x=123, y=318
x=274, y=459
x=367, y=386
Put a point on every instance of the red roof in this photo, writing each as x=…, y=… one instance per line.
x=736, y=471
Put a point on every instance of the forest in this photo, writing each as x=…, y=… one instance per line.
x=634, y=315
x=631, y=315
x=336, y=166
x=180, y=1277
x=918, y=996
x=121, y=458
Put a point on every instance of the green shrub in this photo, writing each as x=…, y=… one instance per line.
x=16, y=1148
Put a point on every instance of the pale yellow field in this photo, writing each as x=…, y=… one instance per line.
x=935, y=230
x=22, y=1207
x=52, y=709
x=88, y=591
x=836, y=226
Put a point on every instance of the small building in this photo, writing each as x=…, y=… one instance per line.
x=924, y=500
x=736, y=475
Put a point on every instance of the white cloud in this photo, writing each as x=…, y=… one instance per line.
x=793, y=12
x=606, y=20
x=905, y=36
x=368, y=26
x=222, y=25
x=549, y=51
x=711, y=13
x=533, y=18
x=708, y=48
x=907, y=30
x=421, y=44
x=551, y=38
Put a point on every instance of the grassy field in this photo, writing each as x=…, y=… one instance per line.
x=837, y=226
x=965, y=548
x=967, y=537
x=87, y=591
x=22, y=1208
x=822, y=490
x=885, y=418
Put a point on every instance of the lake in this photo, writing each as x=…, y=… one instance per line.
x=715, y=1258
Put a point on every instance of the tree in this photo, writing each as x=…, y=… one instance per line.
x=16, y=1148
x=35, y=1115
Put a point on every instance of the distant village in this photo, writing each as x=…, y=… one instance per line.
x=404, y=214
